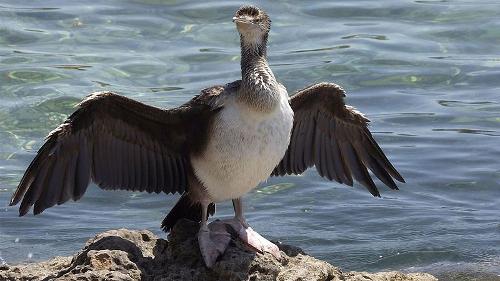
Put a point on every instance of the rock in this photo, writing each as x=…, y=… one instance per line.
x=140, y=255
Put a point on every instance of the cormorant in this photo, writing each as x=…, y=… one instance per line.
x=216, y=147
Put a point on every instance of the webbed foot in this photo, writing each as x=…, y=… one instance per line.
x=213, y=240
x=252, y=238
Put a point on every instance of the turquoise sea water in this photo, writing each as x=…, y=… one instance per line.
x=427, y=73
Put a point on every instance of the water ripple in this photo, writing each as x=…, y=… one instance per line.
x=425, y=72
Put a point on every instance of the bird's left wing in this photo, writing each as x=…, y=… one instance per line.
x=335, y=138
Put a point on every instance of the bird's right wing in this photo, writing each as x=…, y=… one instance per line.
x=116, y=142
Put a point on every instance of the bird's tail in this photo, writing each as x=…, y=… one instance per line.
x=187, y=209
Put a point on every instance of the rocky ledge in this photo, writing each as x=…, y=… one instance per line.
x=140, y=255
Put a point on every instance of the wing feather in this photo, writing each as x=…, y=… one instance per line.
x=152, y=178
x=335, y=138
x=118, y=143
x=323, y=164
x=55, y=181
x=169, y=173
x=183, y=172
x=69, y=178
x=82, y=175
x=161, y=173
x=308, y=144
x=34, y=191
x=117, y=171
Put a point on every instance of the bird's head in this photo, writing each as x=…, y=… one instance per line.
x=253, y=25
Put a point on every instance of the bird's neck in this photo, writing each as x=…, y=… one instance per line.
x=253, y=56
x=259, y=87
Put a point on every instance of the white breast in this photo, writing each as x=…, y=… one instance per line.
x=243, y=150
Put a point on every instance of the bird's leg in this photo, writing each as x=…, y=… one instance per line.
x=213, y=239
x=248, y=235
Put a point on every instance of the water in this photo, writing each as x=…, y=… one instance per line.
x=425, y=72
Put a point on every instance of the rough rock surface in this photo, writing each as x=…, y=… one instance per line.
x=140, y=255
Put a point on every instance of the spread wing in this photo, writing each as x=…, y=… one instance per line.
x=116, y=142
x=335, y=138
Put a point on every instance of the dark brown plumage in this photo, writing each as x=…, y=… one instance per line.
x=118, y=143
x=335, y=138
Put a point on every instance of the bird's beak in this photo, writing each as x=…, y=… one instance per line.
x=240, y=20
